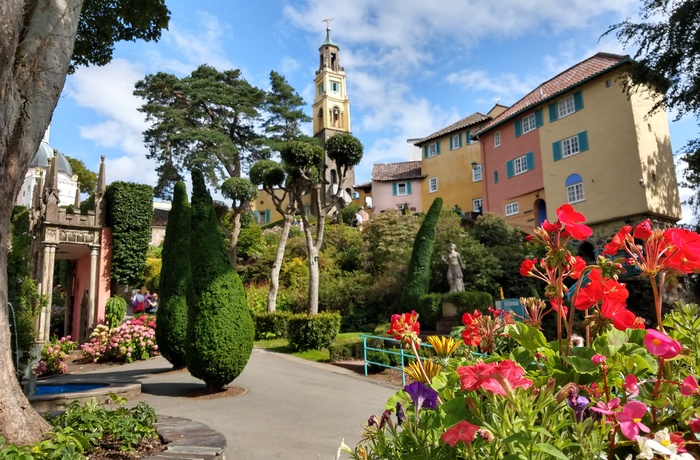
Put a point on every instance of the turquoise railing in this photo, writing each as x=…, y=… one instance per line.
x=404, y=354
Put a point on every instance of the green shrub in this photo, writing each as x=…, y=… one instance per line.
x=418, y=277
x=429, y=309
x=174, y=281
x=467, y=302
x=313, y=332
x=220, y=330
x=115, y=310
x=271, y=325
x=346, y=351
x=347, y=214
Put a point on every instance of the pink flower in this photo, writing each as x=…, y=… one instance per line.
x=630, y=419
x=463, y=431
x=598, y=359
x=630, y=385
x=690, y=386
x=695, y=424
x=659, y=344
x=608, y=409
x=497, y=378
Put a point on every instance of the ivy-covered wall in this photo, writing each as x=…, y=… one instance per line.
x=129, y=215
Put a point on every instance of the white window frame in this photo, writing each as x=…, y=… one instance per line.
x=477, y=205
x=433, y=184
x=432, y=150
x=454, y=141
x=497, y=139
x=570, y=147
x=262, y=218
x=529, y=123
x=398, y=188
x=335, y=84
x=574, y=193
x=512, y=208
x=566, y=107
x=520, y=165
x=320, y=89
x=477, y=173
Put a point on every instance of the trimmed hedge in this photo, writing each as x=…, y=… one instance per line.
x=351, y=350
x=418, y=277
x=271, y=325
x=429, y=310
x=313, y=332
x=220, y=329
x=467, y=302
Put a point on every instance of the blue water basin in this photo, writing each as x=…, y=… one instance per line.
x=59, y=389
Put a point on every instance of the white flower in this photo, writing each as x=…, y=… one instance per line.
x=663, y=437
x=649, y=447
x=343, y=447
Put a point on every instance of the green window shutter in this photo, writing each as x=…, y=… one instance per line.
x=467, y=139
x=583, y=141
x=408, y=188
x=437, y=147
x=556, y=148
x=578, y=100
x=539, y=121
x=509, y=168
x=495, y=177
x=267, y=215
x=553, y=112
x=255, y=215
x=530, y=159
x=425, y=151
x=394, y=189
x=518, y=128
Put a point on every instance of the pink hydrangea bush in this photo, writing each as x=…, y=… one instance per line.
x=133, y=340
x=54, y=356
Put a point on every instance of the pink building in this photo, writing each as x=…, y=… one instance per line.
x=396, y=185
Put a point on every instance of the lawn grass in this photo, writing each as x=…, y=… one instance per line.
x=319, y=356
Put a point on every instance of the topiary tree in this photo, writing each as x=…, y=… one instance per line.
x=220, y=330
x=115, y=309
x=174, y=281
x=418, y=277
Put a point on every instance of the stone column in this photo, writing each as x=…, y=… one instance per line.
x=92, y=288
x=48, y=259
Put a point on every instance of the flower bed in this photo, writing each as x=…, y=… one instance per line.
x=131, y=341
x=630, y=392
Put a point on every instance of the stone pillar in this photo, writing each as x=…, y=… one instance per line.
x=47, y=264
x=92, y=287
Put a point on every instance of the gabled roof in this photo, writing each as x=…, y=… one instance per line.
x=383, y=172
x=570, y=78
x=364, y=185
x=472, y=119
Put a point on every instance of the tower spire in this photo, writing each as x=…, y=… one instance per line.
x=328, y=40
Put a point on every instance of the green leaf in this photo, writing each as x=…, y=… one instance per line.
x=455, y=411
x=527, y=336
x=439, y=382
x=400, y=396
x=550, y=450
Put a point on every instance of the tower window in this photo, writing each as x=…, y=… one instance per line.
x=334, y=177
x=335, y=86
x=336, y=116
x=333, y=59
x=320, y=89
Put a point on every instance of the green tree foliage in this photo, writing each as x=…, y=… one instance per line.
x=388, y=238
x=285, y=108
x=174, y=281
x=204, y=120
x=129, y=215
x=240, y=191
x=87, y=180
x=220, y=329
x=115, y=309
x=345, y=150
x=418, y=277
x=667, y=43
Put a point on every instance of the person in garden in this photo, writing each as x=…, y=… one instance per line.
x=454, y=268
x=138, y=300
x=151, y=302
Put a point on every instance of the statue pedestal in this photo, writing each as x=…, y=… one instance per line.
x=450, y=319
x=448, y=310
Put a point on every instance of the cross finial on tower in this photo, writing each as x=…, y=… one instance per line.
x=328, y=23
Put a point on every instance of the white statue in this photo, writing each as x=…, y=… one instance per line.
x=454, y=268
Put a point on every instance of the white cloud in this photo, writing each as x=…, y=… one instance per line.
x=289, y=65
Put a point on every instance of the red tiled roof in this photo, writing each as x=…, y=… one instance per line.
x=363, y=185
x=472, y=119
x=396, y=171
x=574, y=76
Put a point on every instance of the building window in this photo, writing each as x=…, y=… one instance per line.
x=476, y=173
x=262, y=217
x=570, y=146
x=401, y=189
x=566, y=107
x=495, y=177
x=574, y=188
x=335, y=86
x=497, y=139
x=456, y=141
x=520, y=165
x=529, y=123
x=432, y=150
x=320, y=88
x=477, y=204
x=512, y=209
x=433, y=184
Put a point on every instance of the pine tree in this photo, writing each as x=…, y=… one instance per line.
x=418, y=277
x=174, y=281
x=220, y=329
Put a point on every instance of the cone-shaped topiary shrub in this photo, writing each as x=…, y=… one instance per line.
x=115, y=310
x=418, y=276
x=174, y=281
x=220, y=329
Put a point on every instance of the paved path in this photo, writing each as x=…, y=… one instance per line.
x=294, y=409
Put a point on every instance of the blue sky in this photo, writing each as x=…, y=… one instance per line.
x=412, y=66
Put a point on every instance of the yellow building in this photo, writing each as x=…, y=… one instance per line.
x=452, y=163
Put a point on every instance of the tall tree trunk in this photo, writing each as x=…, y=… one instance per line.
x=277, y=264
x=313, y=275
x=235, y=233
x=32, y=75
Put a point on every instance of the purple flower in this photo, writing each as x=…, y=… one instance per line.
x=400, y=414
x=422, y=396
x=580, y=405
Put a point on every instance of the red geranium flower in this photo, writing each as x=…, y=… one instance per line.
x=643, y=230
x=572, y=222
x=405, y=327
x=496, y=378
x=618, y=240
x=685, y=254
x=463, y=431
x=471, y=334
x=550, y=227
x=527, y=266
x=577, y=266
